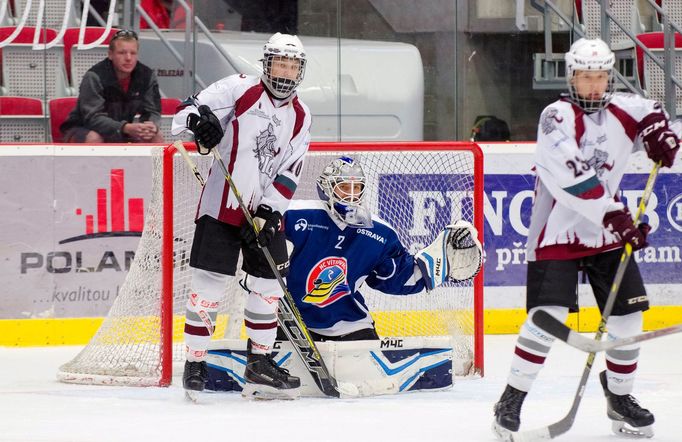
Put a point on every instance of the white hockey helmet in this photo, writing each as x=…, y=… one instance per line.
x=287, y=46
x=590, y=55
x=346, y=203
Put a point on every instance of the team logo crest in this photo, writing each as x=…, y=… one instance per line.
x=327, y=282
x=266, y=151
x=549, y=118
x=599, y=162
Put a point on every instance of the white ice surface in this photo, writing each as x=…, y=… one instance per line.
x=35, y=407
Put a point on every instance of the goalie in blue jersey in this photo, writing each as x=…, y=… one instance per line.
x=339, y=246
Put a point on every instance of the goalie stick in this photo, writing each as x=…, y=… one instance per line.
x=563, y=425
x=288, y=315
x=564, y=333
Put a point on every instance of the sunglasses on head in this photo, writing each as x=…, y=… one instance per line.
x=124, y=33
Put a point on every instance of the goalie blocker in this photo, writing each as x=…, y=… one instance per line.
x=377, y=367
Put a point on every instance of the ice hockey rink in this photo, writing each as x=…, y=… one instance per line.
x=35, y=407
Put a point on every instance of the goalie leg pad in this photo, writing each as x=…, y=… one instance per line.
x=389, y=366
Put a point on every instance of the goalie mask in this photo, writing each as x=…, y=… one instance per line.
x=590, y=56
x=284, y=61
x=342, y=186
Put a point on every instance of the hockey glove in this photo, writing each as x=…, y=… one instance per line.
x=660, y=142
x=620, y=223
x=268, y=224
x=206, y=128
x=455, y=254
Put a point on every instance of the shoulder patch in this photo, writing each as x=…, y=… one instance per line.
x=549, y=119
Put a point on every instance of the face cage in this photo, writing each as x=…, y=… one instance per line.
x=350, y=199
x=340, y=207
x=591, y=105
x=282, y=87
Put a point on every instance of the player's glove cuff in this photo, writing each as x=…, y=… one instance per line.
x=206, y=128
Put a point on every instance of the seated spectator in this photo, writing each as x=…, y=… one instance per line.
x=119, y=99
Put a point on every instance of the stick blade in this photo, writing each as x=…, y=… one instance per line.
x=551, y=325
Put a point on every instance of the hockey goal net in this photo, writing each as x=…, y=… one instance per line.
x=416, y=187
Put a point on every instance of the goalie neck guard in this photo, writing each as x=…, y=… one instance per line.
x=278, y=48
x=342, y=186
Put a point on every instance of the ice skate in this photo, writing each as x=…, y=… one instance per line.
x=508, y=413
x=194, y=379
x=629, y=418
x=266, y=380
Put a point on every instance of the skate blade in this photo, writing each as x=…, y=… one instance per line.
x=621, y=429
x=192, y=396
x=265, y=392
x=502, y=433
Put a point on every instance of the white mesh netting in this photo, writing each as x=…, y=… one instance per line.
x=416, y=191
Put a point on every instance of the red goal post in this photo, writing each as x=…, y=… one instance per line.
x=417, y=187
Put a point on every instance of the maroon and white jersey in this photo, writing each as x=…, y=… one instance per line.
x=263, y=147
x=579, y=162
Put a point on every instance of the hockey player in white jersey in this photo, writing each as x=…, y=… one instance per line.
x=578, y=222
x=339, y=246
x=262, y=130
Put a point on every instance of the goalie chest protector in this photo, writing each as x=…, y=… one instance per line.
x=329, y=264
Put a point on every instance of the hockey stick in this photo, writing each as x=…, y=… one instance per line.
x=288, y=315
x=562, y=426
x=563, y=332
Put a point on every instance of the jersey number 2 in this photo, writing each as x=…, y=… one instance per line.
x=338, y=244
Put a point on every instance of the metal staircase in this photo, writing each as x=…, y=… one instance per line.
x=549, y=70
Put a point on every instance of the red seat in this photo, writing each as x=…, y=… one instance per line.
x=22, y=120
x=169, y=106
x=92, y=33
x=652, y=40
x=26, y=34
x=20, y=106
x=59, y=110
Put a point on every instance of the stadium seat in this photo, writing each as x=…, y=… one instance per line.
x=83, y=58
x=650, y=74
x=33, y=73
x=25, y=36
x=59, y=110
x=54, y=12
x=82, y=61
x=625, y=11
x=168, y=106
x=22, y=120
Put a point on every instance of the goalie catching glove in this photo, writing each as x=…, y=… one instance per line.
x=455, y=254
x=206, y=128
